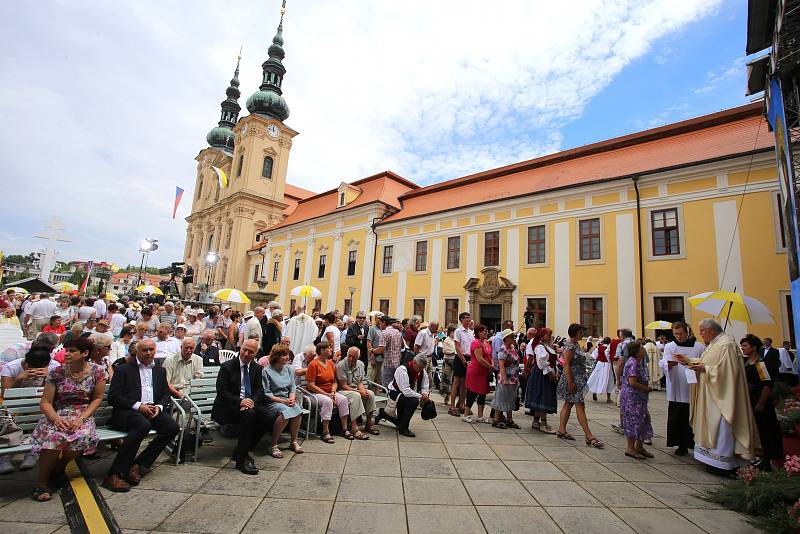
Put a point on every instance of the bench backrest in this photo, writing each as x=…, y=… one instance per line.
x=210, y=372
x=23, y=403
x=204, y=392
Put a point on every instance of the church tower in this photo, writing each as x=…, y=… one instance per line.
x=252, y=153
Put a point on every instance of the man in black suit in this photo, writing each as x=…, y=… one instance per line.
x=357, y=337
x=771, y=357
x=208, y=349
x=240, y=402
x=141, y=402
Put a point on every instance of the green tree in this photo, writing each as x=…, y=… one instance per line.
x=77, y=277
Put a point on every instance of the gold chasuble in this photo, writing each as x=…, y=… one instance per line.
x=721, y=392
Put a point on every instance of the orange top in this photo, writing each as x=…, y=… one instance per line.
x=322, y=376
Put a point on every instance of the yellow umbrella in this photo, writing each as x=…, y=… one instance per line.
x=112, y=297
x=231, y=295
x=63, y=287
x=658, y=325
x=306, y=291
x=732, y=306
x=149, y=290
x=19, y=290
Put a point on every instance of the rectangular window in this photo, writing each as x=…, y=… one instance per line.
x=421, y=256
x=296, y=273
x=255, y=273
x=292, y=306
x=388, y=253
x=318, y=304
x=239, y=167
x=454, y=252
x=536, y=244
x=323, y=258
x=491, y=249
x=351, y=262
x=592, y=315
x=348, y=306
x=666, y=239
x=668, y=309
x=536, y=313
x=275, y=272
x=419, y=307
x=383, y=306
x=450, y=311
x=589, y=235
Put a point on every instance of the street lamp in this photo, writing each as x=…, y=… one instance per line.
x=146, y=246
x=211, y=259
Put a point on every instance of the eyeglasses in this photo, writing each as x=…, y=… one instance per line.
x=361, y=317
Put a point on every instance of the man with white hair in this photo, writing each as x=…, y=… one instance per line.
x=208, y=348
x=352, y=380
x=193, y=327
x=409, y=389
x=425, y=343
x=722, y=419
x=182, y=368
x=301, y=361
x=271, y=307
x=166, y=345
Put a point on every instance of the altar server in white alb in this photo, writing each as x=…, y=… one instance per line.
x=602, y=377
x=679, y=430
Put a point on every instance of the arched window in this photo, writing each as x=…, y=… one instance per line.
x=241, y=164
x=266, y=170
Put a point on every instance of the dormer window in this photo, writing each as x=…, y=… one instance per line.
x=346, y=194
x=341, y=199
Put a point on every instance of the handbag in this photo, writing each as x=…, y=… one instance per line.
x=391, y=404
x=428, y=411
x=10, y=433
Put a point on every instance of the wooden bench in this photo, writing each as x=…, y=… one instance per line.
x=201, y=399
x=23, y=403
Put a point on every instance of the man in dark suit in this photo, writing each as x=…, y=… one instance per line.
x=357, y=337
x=208, y=349
x=141, y=402
x=771, y=357
x=240, y=399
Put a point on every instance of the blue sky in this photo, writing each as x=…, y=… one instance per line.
x=106, y=103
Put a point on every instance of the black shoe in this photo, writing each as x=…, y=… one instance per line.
x=380, y=416
x=681, y=451
x=594, y=396
x=247, y=466
x=407, y=433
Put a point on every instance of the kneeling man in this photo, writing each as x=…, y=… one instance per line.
x=352, y=384
x=409, y=388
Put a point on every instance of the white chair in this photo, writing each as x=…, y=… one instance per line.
x=225, y=355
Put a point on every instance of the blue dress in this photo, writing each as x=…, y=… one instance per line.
x=280, y=384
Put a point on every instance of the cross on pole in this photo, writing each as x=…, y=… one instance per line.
x=52, y=235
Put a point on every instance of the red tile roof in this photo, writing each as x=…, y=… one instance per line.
x=719, y=135
x=297, y=192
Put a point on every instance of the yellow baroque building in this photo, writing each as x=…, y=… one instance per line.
x=612, y=234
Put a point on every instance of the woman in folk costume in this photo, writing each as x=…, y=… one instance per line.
x=602, y=377
x=541, y=366
x=722, y=419
x=679, y=430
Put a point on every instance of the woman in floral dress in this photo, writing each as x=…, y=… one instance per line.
x=71, y=395
x=505, y=395
x=633, y=402
x=572, y=388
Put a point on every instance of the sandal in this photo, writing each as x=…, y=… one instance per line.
x=634, y=455
x=547, y=429
x=372, y=430
x=39, y=492
x=276, y=452
x=499, y=425
x=512, y=424
x=453, y=412
x=327, y=438
x=565, y=435
x=348, y=435
x=596, y=443
x=360, y=435
x=296, y=448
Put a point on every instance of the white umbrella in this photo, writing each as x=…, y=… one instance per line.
x=732, y=306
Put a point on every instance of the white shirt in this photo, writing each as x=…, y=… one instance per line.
x=542, y=359
x=168, y=347
x=43, y=309
x=84, y=312
x=464, y=338
x=787, y=365
x=401, y=377
x=425, y=342
x=253, y=329
x=14, y=368
x=193, y=329
x=101, y=308
x=146, y=379
x=677, y=386
x=337, y=337
x=116, y=323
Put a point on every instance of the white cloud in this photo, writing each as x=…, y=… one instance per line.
x=718, y=77
x=105, y=105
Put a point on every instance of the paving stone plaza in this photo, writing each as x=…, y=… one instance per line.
x=453, y=477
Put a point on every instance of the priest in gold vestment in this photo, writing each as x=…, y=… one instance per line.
x=725, y=432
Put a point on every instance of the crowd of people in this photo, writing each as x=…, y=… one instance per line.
x=718, y=391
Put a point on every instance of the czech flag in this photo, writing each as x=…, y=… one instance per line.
x=223, y=180
x=178, y=195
